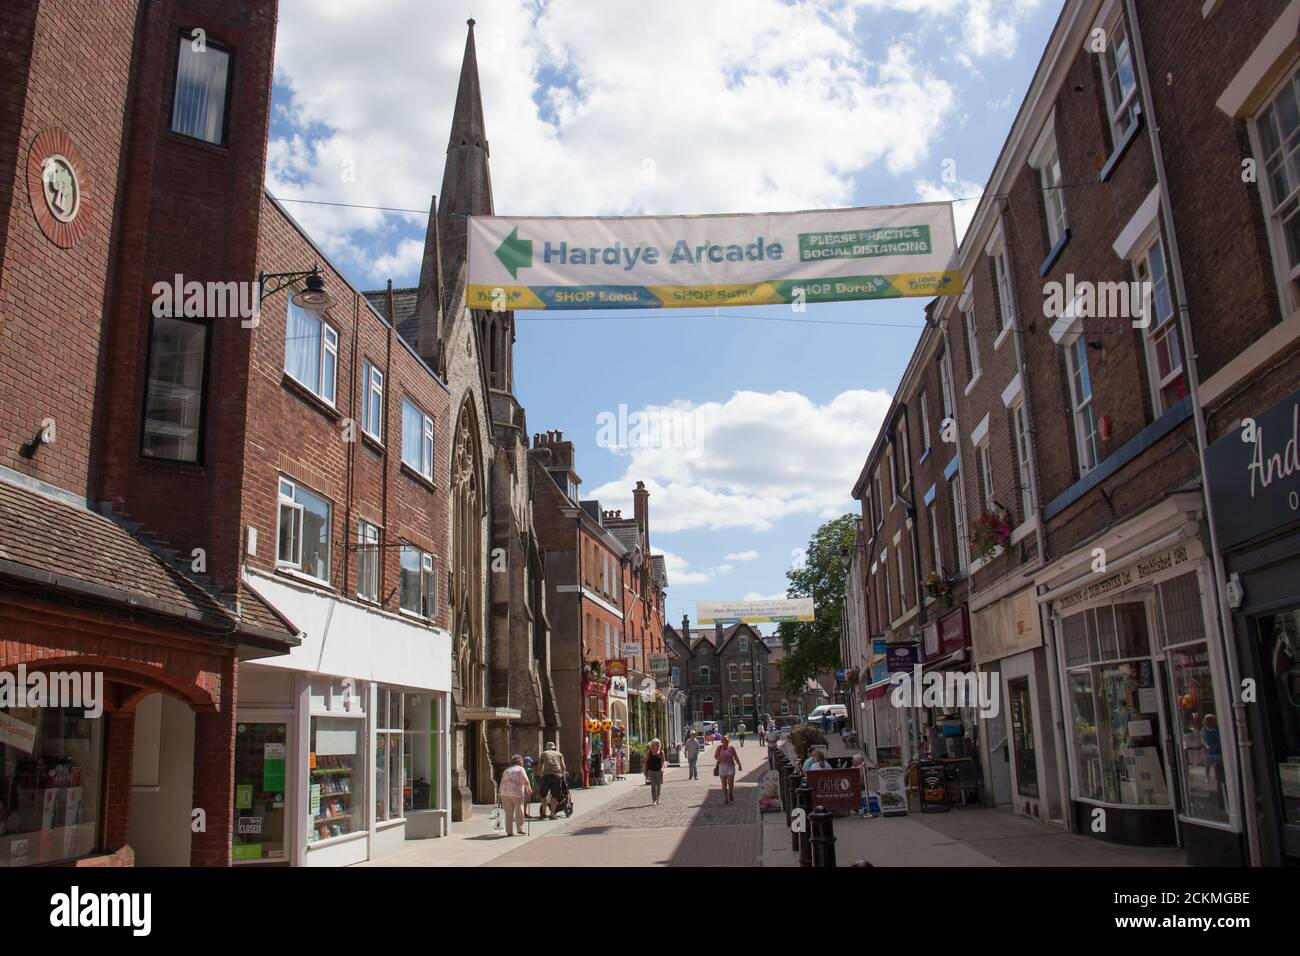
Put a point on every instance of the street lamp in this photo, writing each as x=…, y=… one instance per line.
x=313, y=298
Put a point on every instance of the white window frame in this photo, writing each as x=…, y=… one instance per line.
x=1084, y=443
x=945, y=385
x=428, y=585
x=924, y=409
x=219, y=109
x=705, y=673
x=1162, y=321
x=889, y=589
x=735, y=705
x=287, y=501
x=733, y=673
x=329, y=349
x=425, y=453
x=1128, y=105
x=893, y=477
x=936, y=551
x=372, y=401
x=1049, y=181
x=972, y=345
x=880, y=500
x=985, y=455
x=369, y=558
x=744, y=645
x=1286, y=274
x=902, y=447
x=958, y=501
x=1020, y=435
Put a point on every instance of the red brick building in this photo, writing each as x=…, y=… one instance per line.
x=1126, y=318
x=242, y=507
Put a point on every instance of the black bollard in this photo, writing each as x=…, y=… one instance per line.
x=792, y=791
x=805, y=804
x=783, y=779
x=821, y=826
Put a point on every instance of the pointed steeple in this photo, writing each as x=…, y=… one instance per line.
x=429, y=295
x=466, y=182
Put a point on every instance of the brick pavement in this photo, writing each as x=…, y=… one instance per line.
x=690, y=827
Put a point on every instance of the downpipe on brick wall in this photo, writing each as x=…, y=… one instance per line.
x=1040, y=538
x=1246, y=763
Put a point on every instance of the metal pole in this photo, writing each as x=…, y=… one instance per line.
x=822, y=827
x=805, y=804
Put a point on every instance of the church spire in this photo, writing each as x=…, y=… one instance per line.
x=466, y=182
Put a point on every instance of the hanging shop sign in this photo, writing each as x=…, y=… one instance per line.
x=902, y=657
x=1254, y=474
x=631, y=649
x=659, y=665
x=668, y=262
x=616, y=667
x=754, y=612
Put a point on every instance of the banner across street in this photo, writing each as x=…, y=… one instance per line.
x=753, y=612
x=675, y=262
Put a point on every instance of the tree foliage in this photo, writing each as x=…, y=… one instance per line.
x=813, y=647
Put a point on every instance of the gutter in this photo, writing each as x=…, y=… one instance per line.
x=1245, y=765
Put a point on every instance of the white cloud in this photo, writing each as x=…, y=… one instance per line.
x=755, y=596
x=733, y=106
x=750, y=555
x=979, y=29
x=964, y=211
x=679, y=572
x=716, y=481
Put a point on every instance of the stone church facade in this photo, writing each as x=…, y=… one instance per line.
x=503, y=697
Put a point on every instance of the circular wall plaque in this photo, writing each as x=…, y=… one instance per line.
x=58, y=187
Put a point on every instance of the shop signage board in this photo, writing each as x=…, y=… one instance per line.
x=674, y=262
x=631, y=649
x=836, y=789
x=893, y=791
x=934, y=786
x=659, y=665
x=1255, y=485
x=754, y=612
x=616, y=667
x=902, y=658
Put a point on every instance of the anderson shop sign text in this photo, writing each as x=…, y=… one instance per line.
x=1255, y=484
x=1146, y=568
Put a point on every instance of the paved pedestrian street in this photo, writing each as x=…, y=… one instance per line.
x=690, y=827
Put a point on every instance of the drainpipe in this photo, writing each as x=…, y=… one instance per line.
x=1245, y=765
x=1040, y=537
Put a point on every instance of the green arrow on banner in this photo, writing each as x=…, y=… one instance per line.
x=515, y=253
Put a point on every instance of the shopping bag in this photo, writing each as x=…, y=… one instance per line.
x=498, y=819
x=716, y=769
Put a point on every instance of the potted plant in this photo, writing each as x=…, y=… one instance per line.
x=991, y=532
x=937, y=586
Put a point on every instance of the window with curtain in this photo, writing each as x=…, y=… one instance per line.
x=368, y=560
x=174, y=396
x=372, y=400
x=418, y=584
x=1085, y=419
x=417, y=439
x=202, y=78
x=311, y=352
x=302, y=538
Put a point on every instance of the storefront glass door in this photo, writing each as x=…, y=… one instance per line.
x=261, y=760
x=1279, y=651
x=1024, y=744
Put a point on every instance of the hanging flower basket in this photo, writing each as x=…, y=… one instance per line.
x=937, y=586
x=989, y=533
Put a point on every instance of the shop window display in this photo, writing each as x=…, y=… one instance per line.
x=51, y=763
x=1115, y=706
x=335, y=791
x=389, y=752
x=261, y=753
x=1279, y=649
x=420, y=762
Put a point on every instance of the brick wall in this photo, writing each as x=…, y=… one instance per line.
x=67, y=67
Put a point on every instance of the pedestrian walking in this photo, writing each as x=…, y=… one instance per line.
x=553, y=774
x=513, y=790
x=772, y=741
x=532, y=787
x=693, y=748
x=655, y=759
x=726, y=763
x=741, y=730
x=762, y=734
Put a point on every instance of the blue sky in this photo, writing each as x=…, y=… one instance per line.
x=618, y=108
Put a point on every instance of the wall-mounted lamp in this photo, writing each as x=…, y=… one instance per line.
x=313, y=297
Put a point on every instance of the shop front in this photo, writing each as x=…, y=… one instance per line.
x=947, y=724
x=341, y=747
x=1143, y=686
x=596, y=739
x=1255, y=489
x=1021, y=760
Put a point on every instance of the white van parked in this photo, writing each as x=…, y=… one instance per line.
x=833, y=711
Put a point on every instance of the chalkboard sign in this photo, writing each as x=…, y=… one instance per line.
x=934, y=786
